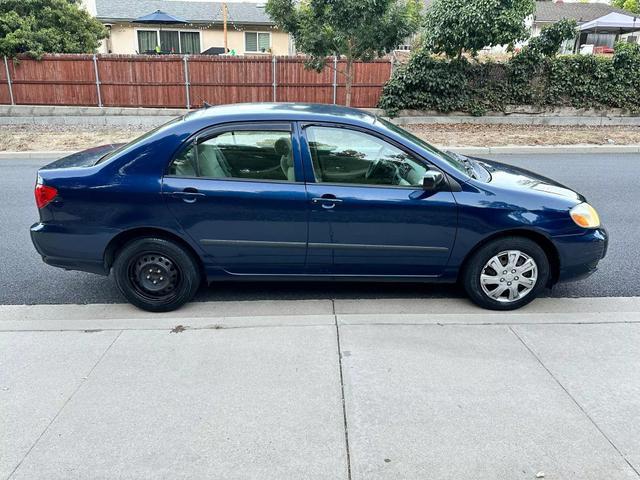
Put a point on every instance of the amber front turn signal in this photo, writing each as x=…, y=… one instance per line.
x=585, y=216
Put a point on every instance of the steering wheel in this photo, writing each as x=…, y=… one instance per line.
x=374, y=168
x=375, y=165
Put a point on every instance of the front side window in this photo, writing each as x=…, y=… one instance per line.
x=451, y=160
x=340, y=155
x=240, y=154
x=257, y=42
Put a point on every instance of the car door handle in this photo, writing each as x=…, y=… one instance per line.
x=326, y=202
x=188, y=195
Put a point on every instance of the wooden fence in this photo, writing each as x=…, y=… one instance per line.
x=183, y=81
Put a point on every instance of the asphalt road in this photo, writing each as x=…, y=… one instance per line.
x=610, y=182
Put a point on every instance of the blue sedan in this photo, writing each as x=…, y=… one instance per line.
x=308, y=192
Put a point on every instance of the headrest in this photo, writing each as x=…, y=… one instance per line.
x=283, y=146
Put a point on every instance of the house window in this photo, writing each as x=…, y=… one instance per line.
x=259, y=42
x=601, y=39
x=190, y=42
x=169, y=41
x=147, y=41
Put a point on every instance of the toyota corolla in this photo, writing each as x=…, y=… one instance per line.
x=313, y=192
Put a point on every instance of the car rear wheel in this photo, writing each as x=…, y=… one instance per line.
x=155, y=274
x=506, y=273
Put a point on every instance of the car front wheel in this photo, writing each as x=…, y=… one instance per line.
x=506, y=273
x=155, y=274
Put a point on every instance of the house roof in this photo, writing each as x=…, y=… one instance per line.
x=194, y=12
x=580, y=12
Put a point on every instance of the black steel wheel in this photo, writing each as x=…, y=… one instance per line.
x=155, y=274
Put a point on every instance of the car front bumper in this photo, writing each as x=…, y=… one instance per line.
x=580, y=254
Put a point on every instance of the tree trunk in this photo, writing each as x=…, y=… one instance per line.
x=348, y=73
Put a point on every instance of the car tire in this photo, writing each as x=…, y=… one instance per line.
x=155, y=274
x=493, y=288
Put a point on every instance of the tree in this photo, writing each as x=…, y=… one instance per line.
x=455, y=26
x=632, y=6
x=355, y=29
x=552, y=37
x=35, y=27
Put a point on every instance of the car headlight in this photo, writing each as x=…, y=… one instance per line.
x=585, y=216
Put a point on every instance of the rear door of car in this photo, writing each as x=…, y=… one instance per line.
x=238, y=191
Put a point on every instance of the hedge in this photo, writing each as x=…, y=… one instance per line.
x=427, y=82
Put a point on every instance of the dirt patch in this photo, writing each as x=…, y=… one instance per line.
x=467, y=134
x=17, y=138
x=22, y=138
x=178, y=329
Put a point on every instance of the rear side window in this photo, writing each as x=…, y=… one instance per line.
x=240, y=154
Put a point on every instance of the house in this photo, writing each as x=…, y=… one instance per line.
x=551, y=12
x=548, y=13
x=250, y=30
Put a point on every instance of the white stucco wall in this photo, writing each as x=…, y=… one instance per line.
x=124, y=38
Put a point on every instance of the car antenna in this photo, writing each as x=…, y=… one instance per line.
x=205, y=104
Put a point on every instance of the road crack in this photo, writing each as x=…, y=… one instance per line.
x=344, y=404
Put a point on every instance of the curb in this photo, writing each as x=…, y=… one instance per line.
x=505, y=150
x=318, y=312
x=545, y=149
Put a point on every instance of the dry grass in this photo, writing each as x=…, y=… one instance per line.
x=21, y=138
x=61, y=137
x=467, y=134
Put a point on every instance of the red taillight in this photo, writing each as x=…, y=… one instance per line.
x=44, y=195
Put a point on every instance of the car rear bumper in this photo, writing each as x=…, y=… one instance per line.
x=56, y=247
x=580, y=254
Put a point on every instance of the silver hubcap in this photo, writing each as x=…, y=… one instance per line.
x=509, y=276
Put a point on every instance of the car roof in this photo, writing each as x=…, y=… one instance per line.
x=240, y=112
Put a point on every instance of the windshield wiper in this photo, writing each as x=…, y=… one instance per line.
x=465, y=162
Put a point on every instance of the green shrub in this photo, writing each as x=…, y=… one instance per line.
x=551, y=38
x=529, y=78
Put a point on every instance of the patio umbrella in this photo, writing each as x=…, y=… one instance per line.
x=159, y=18
x=166, y=42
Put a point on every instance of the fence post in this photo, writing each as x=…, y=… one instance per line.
x=275, y=85
x=187, y=83
x=6, y=67
x=95, y=68
x=335, y=78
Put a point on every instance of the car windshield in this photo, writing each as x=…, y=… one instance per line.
x=121, y=148
x=450, y=159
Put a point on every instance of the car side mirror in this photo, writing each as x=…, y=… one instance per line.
x=432, y=180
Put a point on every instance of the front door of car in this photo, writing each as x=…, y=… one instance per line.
x=370, y=214
x=234, y=190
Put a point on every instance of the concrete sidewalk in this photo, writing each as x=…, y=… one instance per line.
x=322, y=389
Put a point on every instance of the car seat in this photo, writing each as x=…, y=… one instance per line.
x=283, y=148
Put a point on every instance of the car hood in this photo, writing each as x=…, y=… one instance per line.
x=85, y=158
x=508, y=176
